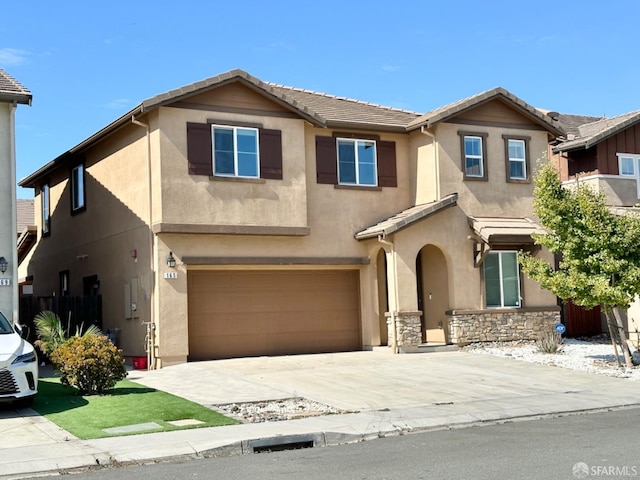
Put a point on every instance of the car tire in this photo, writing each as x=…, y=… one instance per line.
x=25, y=402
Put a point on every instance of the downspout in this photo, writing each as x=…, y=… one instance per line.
x=151, y=326
x=436, y=158
x=14, y=215
x=396, y=299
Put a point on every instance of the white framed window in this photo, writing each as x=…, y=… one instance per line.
x=44, y=209
x=502, y=279
x=77, y=188
x=357, y=162
x=473, y=157
x=235, y=151
x=517, y=159
x=628, y=164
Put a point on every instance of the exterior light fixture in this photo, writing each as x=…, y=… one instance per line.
x=171, y=261
x=3, y=264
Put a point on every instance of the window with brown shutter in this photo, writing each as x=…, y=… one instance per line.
x=270, y=154
x=199, y=153
x=387, y=175
x=326, y=160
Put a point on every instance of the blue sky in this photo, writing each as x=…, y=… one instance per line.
x=89, y=62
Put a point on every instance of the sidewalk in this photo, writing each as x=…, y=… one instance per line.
x=388, y=395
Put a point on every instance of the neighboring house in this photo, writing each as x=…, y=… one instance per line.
x=605, y=154
x=12, y=93
x=235, y=217
x=27, y=236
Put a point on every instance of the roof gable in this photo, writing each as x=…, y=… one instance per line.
x=460, y=107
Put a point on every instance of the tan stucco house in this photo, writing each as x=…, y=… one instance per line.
x=236, y=217
x=12, y=93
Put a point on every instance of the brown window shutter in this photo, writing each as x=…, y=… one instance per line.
x=387, y=176
x=326, y=160
x=199, y=149
x=270, y=154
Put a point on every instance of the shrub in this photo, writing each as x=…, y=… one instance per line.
x=90, y=363
x=550, y=342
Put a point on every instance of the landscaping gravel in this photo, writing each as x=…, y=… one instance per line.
x=276, y=410
x=595, y=355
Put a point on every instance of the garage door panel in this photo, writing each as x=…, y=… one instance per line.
x=249, y=313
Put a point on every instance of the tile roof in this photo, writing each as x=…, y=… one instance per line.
x=406, y=218
x=494, y=230
x=320, y=108
x=337, y=110
x=12, y=90
x=443, y=113
x=572, y=123
x=24, y=210
x=593, y=132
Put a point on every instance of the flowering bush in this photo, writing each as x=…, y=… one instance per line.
x=90, y=363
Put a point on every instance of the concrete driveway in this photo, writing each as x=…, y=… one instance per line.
x=386, y=395
x=364, y=381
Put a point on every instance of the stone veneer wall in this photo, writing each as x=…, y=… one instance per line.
x=501, y=325
x=408, y=331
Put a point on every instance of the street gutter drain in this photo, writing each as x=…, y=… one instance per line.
x=279, y=444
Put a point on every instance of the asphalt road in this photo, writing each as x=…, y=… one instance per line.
x=594, y=445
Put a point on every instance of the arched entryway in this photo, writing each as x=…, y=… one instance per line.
x=433, y=294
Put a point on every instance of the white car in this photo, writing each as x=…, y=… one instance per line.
x=18, y=366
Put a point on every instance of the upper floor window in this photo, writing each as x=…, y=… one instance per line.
x=627, y=164
x=502, y=279
x=77, y=188
x=517, y=158
x=357, y=162
x=353, y=161
x=44, y=209
x=235, y=151
x=474, y=154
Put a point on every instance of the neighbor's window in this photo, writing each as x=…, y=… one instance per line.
x=502, y=280
x=44, y=203
x=77, y=188
x=235, y=151
x=474, y=153
x=357, y=162
x=627, y=164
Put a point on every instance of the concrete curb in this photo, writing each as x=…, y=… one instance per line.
x=185, y=450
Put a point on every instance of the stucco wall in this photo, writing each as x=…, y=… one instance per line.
x=7, y=207
x=111, y=238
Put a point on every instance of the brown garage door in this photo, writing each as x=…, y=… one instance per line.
x=251, y=313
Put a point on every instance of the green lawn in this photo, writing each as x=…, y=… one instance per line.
x=127, y=404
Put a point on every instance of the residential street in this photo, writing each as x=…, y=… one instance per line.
x=603, y=443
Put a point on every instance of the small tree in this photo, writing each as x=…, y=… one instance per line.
x=599, y=251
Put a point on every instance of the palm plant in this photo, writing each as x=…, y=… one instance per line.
x=51, y=334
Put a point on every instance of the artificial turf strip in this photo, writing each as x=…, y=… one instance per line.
x=128, y=403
